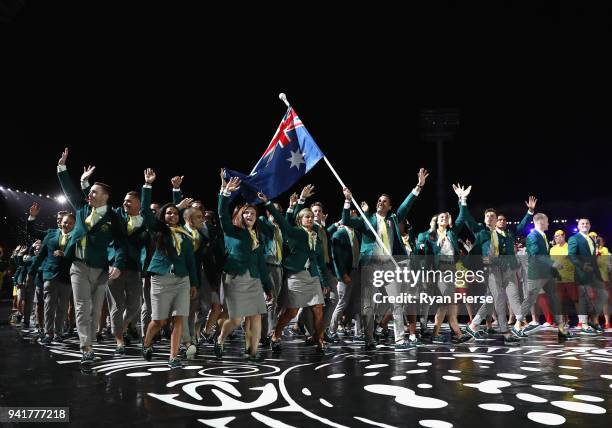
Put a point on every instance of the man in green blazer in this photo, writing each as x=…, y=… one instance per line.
x=494, y=243
x=124, y=293
x=96, y=227
x=345, y=246
x=209, y=260
x=592, y=295
x=541, y=273
x=386, y=224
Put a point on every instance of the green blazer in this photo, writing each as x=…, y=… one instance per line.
x=239, y=248
x=108, y=229
x=540, y=265
x=164, y=262
x=579, y=253
x=136, y=242
x=368, y=241
x=211, y=255
x=428, y=241
x=53, y=266
x=266, y=230
x=299, y=250
x=482, y=240
x=342, y=251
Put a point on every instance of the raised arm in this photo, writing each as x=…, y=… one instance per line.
x=531, y=203
x=147, y=190
x=356, y=223
x=72, y=194
x=461, y=219
x=404, y=208
x=294, y=209
x=30, y=229
x=466, y=218
x=285, y=227
x=177, y=195
x=223, y=206
x=85, y=185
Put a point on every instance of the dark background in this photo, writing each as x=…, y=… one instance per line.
x=186, y=91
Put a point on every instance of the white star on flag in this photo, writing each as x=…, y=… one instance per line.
x=296, y=159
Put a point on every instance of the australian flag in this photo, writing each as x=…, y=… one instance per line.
x=289, y=156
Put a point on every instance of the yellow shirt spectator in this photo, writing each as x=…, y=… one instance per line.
x=559, y=255
x=603, y=262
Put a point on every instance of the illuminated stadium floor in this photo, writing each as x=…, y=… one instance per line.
x=541, y=382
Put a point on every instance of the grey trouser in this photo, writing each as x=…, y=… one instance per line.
x=330, y=302
x=392, y=289
x=344, y=295
x=89, y=288
x=195, y=305
x=123, y=297
x=268, y=323
x=27, y=295
x=145, y=311
x=503, y=286
x=56, y=297
x=533, y=290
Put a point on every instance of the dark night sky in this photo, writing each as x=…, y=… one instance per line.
x=531, y=83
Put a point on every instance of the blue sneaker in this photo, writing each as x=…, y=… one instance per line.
x=88, y=358
x=519, y=334
x=476, y=334
x=598, y=328
x=531, y=328
x=404, y=346
x=438, y=339
x=588, y=331
x=147, y=352
x=566, y=335
x=175, y=363
x=218, y=350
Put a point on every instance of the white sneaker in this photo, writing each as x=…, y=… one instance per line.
x=546, y=324
x=534, y=323
x=191, y=351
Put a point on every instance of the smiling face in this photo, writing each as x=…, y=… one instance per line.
x=383, y=206
x=171, y=216
x=67, y=224
x=584, y=225
x=131, y=204
x=443, y=220
x=317, y=211
x=249, y=216
x=560, y=239
x=97, y=197
x=305, y=218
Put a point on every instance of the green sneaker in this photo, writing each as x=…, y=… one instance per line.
x=175, y=363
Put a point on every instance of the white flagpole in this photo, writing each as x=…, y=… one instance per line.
x=283, y=98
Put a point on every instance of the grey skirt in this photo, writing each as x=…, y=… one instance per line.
x=169, y=296
x=303, y=291
x=242, y=295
